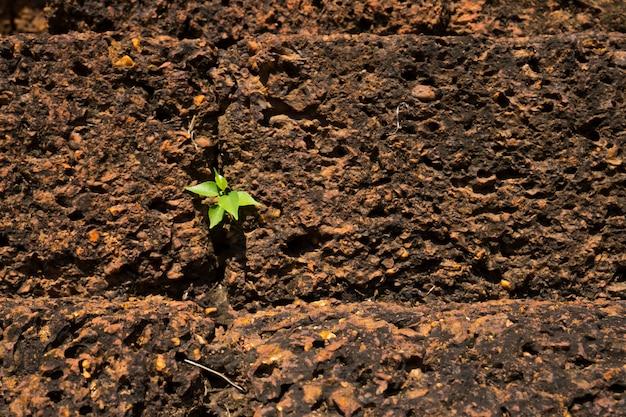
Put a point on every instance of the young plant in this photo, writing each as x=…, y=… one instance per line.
x=223, y=201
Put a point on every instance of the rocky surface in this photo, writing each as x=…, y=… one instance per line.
x=443, y=219
x=95, y=357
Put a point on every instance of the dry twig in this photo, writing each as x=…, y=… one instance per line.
x=214, y=372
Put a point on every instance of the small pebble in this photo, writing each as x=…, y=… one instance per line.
x=619, y=57
x=423, y=93
x=125, y=62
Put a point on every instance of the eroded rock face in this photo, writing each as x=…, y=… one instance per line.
x=461, y=168
x=327, y=357
x=226, y=22
x=412, y=163
x=414, y=160
x=93, y=164
x=87, y=357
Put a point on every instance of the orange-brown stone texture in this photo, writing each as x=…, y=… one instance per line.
x=442, y=228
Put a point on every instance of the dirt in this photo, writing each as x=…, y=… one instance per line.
x=442, y=222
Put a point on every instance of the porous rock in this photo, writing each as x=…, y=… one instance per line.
x=442, y=226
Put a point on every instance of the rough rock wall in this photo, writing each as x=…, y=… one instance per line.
x=458, y=167
x=415, y=160
x=327, y=358
x=465, y=168
x=94, y=166
x=226, y=22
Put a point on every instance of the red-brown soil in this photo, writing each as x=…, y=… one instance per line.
x=443, y=221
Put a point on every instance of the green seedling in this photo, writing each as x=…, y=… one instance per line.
x=224, y=200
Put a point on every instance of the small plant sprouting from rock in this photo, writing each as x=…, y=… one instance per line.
x=224, y=200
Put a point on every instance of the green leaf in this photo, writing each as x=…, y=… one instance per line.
x=230, y=203
x=206, y=189
x=216, y=214
x=246, y=199
x=220, y=180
